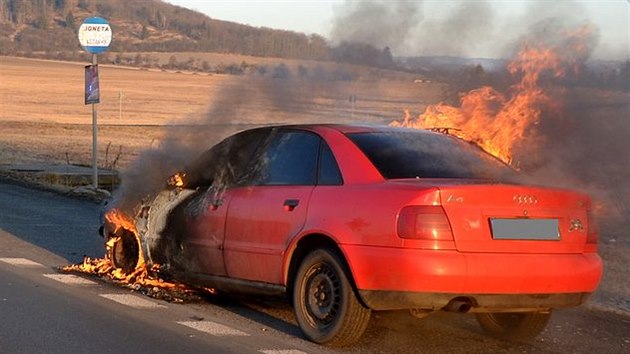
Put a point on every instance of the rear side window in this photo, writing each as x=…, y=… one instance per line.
x=329, y=174
x=421, y=154
x=289, y=159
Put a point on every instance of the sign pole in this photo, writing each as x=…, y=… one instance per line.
x=95, y=36
x=94, y=142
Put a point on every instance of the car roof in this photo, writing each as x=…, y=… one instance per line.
x=351, y=128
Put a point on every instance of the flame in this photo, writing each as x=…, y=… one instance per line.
x=122, y=223
x=141, y=276
x=497, y=122
x=177, y=180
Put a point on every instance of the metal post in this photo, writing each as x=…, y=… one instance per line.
x=94, y=144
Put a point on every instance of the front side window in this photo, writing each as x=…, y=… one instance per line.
x=227, y=162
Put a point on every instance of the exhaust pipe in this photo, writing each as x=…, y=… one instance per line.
x=458, y=305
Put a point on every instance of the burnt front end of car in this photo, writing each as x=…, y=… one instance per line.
x=144, y=236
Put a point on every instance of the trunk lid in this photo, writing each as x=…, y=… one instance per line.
x=515, y=218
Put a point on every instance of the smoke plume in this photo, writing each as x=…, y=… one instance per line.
x=465, y=31
x=466, y=28
x=236, y=107
x=379, y=23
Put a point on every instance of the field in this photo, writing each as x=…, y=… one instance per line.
x=43, y=119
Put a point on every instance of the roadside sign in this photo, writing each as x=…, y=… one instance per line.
x=92, y=92
x=95, y=35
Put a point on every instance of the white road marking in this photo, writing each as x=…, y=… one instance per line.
x=21, y=262
x=213, y=328
x=132, y=301
x=69, y=279
x=289, y=351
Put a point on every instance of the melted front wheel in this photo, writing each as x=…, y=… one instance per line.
x=125, y=252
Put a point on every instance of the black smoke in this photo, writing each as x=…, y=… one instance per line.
x=457, y=28
x=379, y=23
x=240, y=105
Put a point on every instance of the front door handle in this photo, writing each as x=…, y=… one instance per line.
x=291, y=204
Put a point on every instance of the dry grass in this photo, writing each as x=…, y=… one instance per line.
x=43, y=118
x=52, y=92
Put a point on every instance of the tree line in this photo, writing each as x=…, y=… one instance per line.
x=154, y=26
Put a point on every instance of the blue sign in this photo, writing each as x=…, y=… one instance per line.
x=95, y=35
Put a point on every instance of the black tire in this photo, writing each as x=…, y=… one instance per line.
x=326, y=306
x=514, y=326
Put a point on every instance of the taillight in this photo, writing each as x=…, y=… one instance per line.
x=426, y=222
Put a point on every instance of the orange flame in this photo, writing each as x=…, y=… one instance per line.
x=122, y=223
x=177, y=180
x=497, y=122
x=118, y=223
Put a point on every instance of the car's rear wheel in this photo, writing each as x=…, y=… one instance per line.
x=514, y=326
x=326, y=306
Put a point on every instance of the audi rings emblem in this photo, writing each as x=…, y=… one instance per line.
x=525, y=199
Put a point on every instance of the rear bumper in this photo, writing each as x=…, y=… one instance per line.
x=394, y=300
x=388, y=276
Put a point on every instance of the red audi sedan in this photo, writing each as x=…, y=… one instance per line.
x=347, y=220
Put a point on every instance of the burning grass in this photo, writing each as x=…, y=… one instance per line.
x=499, y=122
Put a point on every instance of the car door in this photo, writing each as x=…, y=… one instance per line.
x=272, y=207
x=216, y=176
x=206, y=225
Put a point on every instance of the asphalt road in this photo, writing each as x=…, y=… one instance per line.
x=42, y=315
x=42, y=311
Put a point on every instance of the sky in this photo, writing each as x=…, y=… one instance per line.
x=509, y=19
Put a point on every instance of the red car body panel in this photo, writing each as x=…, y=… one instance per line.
x=262, y=211
x=206, y=234
x=380, y=260
x=361, y=217
x=414, y=270
x=473, y=263
x=470, y=207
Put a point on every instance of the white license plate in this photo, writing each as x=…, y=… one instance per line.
x=525, y=229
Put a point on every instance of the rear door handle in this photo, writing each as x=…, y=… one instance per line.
x=291, y=204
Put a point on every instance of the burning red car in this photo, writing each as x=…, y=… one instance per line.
x=347, y=220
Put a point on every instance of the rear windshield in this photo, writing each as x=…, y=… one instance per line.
x=421, y=154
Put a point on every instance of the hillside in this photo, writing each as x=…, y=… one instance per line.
x=49, y=27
